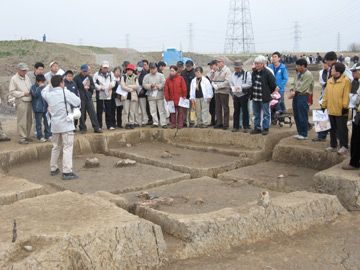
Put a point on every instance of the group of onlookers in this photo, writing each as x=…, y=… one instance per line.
x=124, y=91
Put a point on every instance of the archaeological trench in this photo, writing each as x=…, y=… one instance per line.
x=148, y=197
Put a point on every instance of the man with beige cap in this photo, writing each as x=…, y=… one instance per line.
x=19, y=88
x=221, y=85
x=54, y=70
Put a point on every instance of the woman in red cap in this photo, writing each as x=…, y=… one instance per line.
x=129, y=83
x=175, y=87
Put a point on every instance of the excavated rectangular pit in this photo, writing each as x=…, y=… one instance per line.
x=193, y=162
x=106, y=177
x=283, y=177
x=201, y=195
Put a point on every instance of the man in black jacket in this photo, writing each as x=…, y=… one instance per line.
x=85, y=84
x=263, y=84
x=188, y=74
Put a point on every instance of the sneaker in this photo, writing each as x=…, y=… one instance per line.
x=132, y=126
x=57, y=171
x=98, y=131
x=185, y=125
x=143, y=125
x=136, y=125
x=281, y=124
x=69, y=176
x=112, y=128
x=348, y=167
x=154, y=126
x=317, y=139
x=246, y=130
x=265, y=131
x=197, y=126
x=5, y=139
x=29, y=139
x=24, y=141
x=218, y=127
x=235, y=130
x=331, y=149
x=296, y=136
x=255, y=131
x=301, y=137
x=127, y=126
x=225, y=128
x=41, y=140
x=204, y=126
x=343, y=150
x=164, y=127
x=48, y=139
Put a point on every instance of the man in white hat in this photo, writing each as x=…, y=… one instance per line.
x=263, y=85
x=104, y=83
x=54, y=70
x=19, y=88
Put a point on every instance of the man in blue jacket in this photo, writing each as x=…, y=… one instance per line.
x=281, y=76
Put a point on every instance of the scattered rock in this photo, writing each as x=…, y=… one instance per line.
x=128, y=145
x=199, y=201
x=92, y=163
x=167, y=154
x=124, y=163
x=237, y=183
x=264, y=199
x=155, y=202
x=28, y=248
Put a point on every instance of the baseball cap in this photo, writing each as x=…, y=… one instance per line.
x=152, y=65
x=84, y=67
x=125, y=63
x=212, y=62
x=355, y=67
x=189, y=63
x=53, y=63
x=105, y=64
x=220, y=59
x=140, y=66
x=23, y=66
x=130, y=66
x=180, y=63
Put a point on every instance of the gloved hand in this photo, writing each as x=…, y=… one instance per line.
x=344, y=111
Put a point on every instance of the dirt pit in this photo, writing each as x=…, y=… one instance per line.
x=106, y=177
x=275, y=175
x=202, y=195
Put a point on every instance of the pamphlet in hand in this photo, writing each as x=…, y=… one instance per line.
x=152, y=93
x=171, y=106
x=183, y=102
x=236, y=89
x=139, y=89
x=319, y=115
x=86, y=81
x=121, y=92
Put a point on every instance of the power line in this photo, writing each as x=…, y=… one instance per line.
x=239, y=32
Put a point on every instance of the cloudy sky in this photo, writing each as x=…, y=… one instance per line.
x=156, y=24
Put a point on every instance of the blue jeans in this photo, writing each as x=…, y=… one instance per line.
x=258, y=107
x=323, y=134
x=301, y=113
x=38, y=117
x=282, y=101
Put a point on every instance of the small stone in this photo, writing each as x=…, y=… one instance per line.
x=264, y=199
x=28, y=248
x=199, y=201
x=126, y=162
x=128, y=145
x=92, y=163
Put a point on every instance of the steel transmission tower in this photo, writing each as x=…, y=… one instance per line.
x=297, y=37
x=191, y=37
x=239, y=32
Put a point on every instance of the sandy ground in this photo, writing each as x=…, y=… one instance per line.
x=334, y=246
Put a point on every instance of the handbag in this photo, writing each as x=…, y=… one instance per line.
x=76, y=113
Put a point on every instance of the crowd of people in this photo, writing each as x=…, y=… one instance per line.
x=61, y=101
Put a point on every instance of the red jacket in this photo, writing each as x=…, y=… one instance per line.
x=175, y=88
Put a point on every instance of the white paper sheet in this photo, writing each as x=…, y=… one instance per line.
x=121, y=92
x=319, y=115
x=118, y=102
x=171, y=106
x=185, y=103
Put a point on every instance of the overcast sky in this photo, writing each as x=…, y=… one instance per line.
x=156, y=24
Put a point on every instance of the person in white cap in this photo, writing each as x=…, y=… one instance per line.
x=104, y=81
x=54, y=70
x=19, y=88
x=263, y=84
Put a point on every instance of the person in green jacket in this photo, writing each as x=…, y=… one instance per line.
x=301, y=88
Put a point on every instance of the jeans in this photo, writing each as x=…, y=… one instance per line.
x=258, y=108
x=323, y=134
x=301, y=114
x=38, y=117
